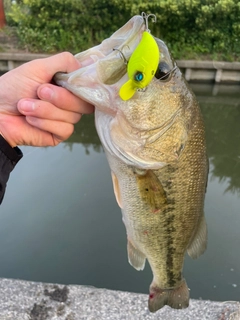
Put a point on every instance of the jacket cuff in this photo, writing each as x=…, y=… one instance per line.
x=13, y=154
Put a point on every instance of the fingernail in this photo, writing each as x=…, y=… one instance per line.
x=46, y=93
x=26, y=106
x=31, y=120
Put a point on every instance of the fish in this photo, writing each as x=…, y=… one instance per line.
x=154, y=141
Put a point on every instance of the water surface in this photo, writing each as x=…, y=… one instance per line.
x=59, y=221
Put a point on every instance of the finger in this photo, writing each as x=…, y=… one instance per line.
x=18, y=132
x=62, y=62
x=46, y=110
x=59, y=130
x=64, y=99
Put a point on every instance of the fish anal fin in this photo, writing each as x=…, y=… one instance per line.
x=116, y=190
x=151, y=191
x=135, y=257
x=176, y=298
x=199, y=243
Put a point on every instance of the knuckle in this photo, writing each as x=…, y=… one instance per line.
x=77, y=117
x=66, y=132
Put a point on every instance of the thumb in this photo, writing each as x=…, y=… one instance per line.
x=64, y=62
x=61, y=62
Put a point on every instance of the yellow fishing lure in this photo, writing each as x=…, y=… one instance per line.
x=141, y=67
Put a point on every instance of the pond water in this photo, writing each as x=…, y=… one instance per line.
x=59, y=221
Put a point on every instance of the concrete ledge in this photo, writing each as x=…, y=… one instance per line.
x=212, y=71
x=11, y=60
x=208, y=64
x=21, y=56
x=23, y=300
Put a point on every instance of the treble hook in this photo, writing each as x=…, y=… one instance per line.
x=146, y=16
x=122, y=55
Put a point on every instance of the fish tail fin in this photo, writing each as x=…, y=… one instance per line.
x=177, y=298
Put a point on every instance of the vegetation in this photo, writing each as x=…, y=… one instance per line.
x=207, y=29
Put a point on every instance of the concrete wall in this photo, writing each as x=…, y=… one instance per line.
x=212, y=71
x=215, y=71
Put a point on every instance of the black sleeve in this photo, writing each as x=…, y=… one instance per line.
x=8, y=159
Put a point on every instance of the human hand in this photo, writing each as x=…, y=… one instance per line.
x=35, y=112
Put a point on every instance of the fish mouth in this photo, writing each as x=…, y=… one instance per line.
x=103, y=69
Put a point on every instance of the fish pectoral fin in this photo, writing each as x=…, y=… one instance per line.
x=152, y=191
x=199, y=243
x=135, y=257
x=116, y=190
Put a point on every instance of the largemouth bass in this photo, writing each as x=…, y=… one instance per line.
x=155, y=145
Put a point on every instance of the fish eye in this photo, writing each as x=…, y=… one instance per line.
x=163, y=71
x=138, y=76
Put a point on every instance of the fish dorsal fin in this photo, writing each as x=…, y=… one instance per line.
x=199, y=243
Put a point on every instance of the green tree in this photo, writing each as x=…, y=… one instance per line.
x=191, y=28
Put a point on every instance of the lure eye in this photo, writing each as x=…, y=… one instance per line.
x=163, y=71
x=138, y=76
